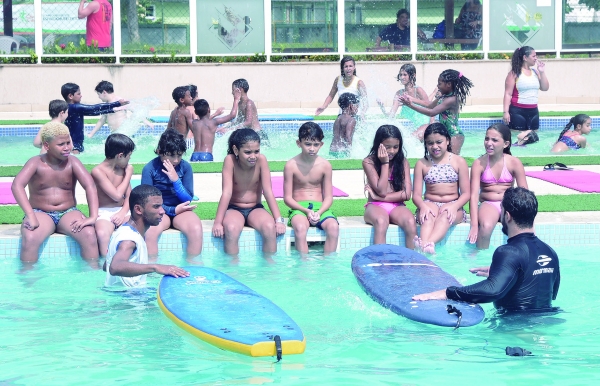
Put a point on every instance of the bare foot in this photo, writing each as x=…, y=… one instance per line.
x=429, y=248
x=417, y=242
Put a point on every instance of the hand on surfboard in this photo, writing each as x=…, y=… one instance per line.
x=437, y=295
x=481, y=271
x=171, y=270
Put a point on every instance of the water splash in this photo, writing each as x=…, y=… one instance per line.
x=138, y=111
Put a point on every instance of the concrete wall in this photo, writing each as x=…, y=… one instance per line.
x=280, y=85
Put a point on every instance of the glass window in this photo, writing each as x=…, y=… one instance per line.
x=450, y=25
x=155, y=27
x=234, y=26
x=581, y=25
x=522, y=23
x=16, y=31
x=65, y=31
x=304, y=26
x=377, y=25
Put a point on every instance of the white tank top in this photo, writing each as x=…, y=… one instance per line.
x=140, y=256
x=525, y=92
x=352, y=88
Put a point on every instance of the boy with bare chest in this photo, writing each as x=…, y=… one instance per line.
x=51, y=207
x=181, y=117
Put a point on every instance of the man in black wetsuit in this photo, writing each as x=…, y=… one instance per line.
x=524, y=275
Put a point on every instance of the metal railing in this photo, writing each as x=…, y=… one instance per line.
x=189, y=28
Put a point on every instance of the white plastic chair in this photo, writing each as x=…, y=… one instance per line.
x=6, y=43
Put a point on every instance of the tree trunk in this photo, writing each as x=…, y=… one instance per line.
x=132, y=21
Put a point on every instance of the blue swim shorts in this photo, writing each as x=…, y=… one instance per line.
x=201, y=157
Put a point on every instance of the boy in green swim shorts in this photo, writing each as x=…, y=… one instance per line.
x=308, y=190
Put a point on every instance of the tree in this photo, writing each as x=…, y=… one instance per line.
x=133, y=26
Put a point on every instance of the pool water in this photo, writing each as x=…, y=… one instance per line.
x=18, y=149
x=57, y=326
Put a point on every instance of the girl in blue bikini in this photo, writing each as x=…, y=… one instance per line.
x=574, y=140
x=447, y=189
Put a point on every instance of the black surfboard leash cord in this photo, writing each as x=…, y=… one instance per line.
x=277, y=340
x=453, y=310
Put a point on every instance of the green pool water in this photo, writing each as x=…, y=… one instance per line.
x=57, y=326
x=17, y=150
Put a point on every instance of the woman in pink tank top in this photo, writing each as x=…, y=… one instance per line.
x=487, y=190
x=98, y=24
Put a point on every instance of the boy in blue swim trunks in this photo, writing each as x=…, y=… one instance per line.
x=51, y=207
x=77, y=111
x=308, y=190
x=205, y=127
x=343, y=127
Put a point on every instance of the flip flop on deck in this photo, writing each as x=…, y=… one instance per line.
x=580, y=180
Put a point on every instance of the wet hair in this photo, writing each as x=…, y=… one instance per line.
x=522, y=206
x=240, y=137
x=179, y=93
x=56, y=107
x=201, y=108
x=397, y=163
x=68, y=89
x=104, y=85
x=310, y=130
x=347, y=99
x=436, y=128
x=505, y=133
x=578, y=119
x=460, y=85
x=139, y=196
x=402, y=11
x=411, y=71
x=52, y=130
x=241, y=84
x=171, y=142
x=116, y=144
x=193, y=90
x=345, y=60
x=516, y=62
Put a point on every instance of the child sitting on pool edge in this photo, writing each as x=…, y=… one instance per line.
x=59, y=111
x=246, y=177
x=205, y=127
x=112, y=178
x=308, y=190
x=51, y=207
x=343, y=127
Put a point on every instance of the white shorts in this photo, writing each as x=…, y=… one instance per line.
x=107, y=213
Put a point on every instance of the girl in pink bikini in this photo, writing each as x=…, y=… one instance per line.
x=485, y=203
x=447, y=189
x=388, y=186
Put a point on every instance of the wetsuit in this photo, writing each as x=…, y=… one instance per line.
x=74, y=121
x=173, y=193
x=524, y=276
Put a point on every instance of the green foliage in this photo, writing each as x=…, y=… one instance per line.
x=70, y=48
x=304, y=58
x=450, y=56
x=147, y=49
x=591, y=4
x=382, y=57
x=156, y=59
x=32, y=59
x=256, y=58
x=78, y=59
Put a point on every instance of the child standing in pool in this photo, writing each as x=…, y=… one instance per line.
x=574, y=140
x=174, y=177
x=343, y=127
x=51, y=206
x=347, y=82
x=408, y=77
x=447, y=190
x=389, y=186
x=246, y=178
x=453, y=89
x=247, y=112
x=487, y=191
x=308, y=190
x=59, y=111
x=181, y=118
x=112, y=177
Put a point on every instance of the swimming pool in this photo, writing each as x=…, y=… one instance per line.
x=17, y=149
x=57, y=326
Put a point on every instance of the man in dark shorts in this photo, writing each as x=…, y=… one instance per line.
x=524, y=275
x=398, y=33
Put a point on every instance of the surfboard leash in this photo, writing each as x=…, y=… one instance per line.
x=453, y=310
x=277, y=340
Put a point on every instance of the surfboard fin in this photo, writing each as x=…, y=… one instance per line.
x=453, y=310
x=277, y=340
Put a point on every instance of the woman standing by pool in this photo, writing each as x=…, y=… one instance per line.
x=484, y=205
x=347, y=82
x=521, y=94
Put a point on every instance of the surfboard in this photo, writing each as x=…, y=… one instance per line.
x=225, y=313
x=392, y=275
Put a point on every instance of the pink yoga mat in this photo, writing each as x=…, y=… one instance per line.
x=277, y=183
x=6, y=196
x=580, y=180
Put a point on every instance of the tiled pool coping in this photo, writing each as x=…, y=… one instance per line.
x=557, y=229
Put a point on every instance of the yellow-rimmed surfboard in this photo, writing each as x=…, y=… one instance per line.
x=225, y=313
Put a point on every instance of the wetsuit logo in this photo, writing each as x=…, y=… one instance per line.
x=543, y=260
